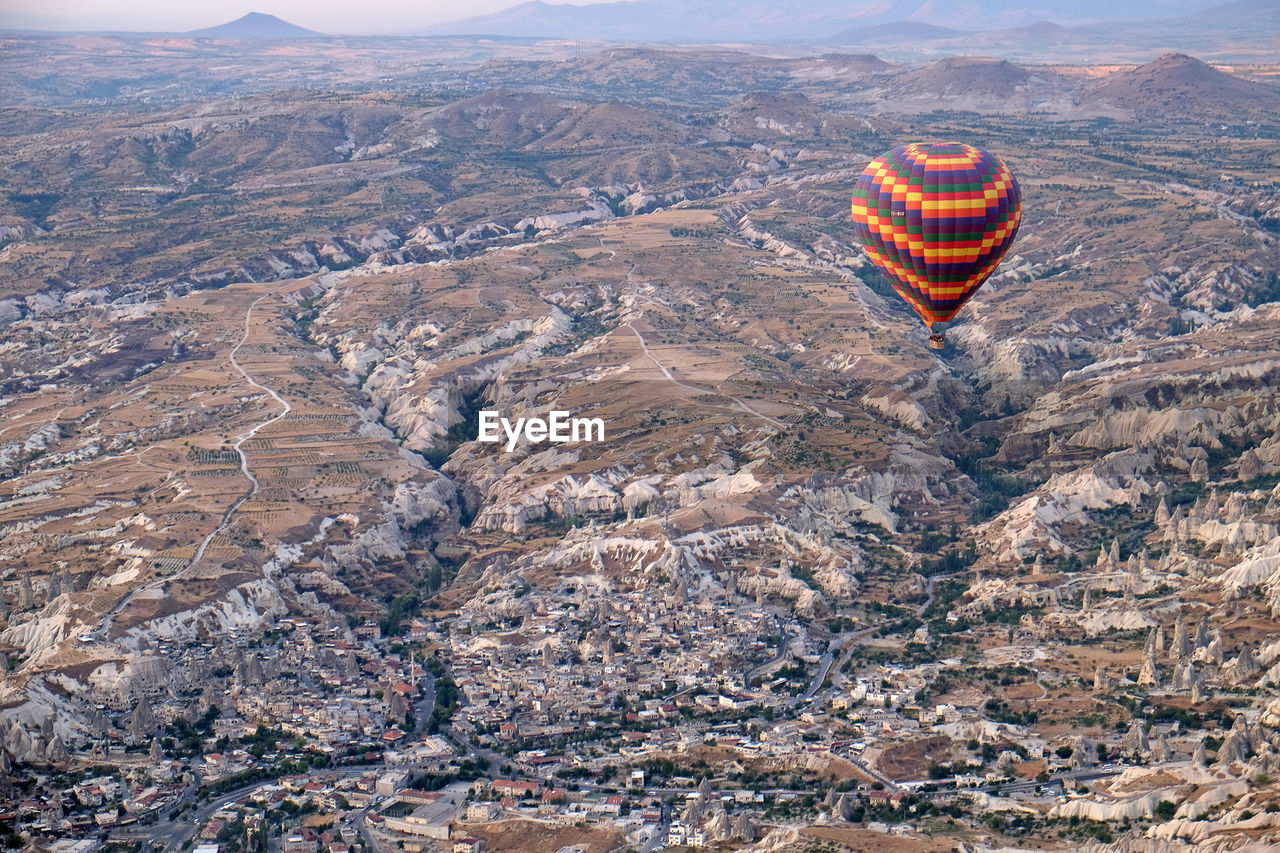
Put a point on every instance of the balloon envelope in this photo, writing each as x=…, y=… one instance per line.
x=937, y=218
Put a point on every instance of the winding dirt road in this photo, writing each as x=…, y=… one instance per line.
x=254, y=485
x=105, y=625
x=667, y=373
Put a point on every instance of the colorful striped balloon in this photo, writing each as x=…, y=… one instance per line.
x=937, y=217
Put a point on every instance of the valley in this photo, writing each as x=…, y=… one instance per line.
x=818, y=584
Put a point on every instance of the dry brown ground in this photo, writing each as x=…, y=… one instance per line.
x=523, y=836
x=911, y=760
x=1025, y=690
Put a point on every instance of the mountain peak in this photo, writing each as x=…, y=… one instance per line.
x=1175, y=60
x=255, y=25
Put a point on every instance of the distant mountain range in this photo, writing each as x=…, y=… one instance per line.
x=729, y=21
x=906, y=30
x=1246, y=30
x=255, y=25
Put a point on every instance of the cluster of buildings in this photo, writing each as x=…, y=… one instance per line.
x=575, y=693
x=554, y=662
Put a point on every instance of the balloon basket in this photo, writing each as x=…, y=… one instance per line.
x=937, y=342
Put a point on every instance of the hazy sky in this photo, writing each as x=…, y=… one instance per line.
x=344, y=16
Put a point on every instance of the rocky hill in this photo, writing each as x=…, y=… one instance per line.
x=964, y=77
x=1176, y=83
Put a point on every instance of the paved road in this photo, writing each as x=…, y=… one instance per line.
x=753, y=673
x=423, y=707
x=659, y=838
x=849, y=640
x=1084, y=774
x=370, y=840
x=175, y=833
x=828, y=657
x=475, y=750
x=930, y=597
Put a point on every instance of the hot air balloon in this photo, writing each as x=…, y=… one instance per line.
x=937, y=217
